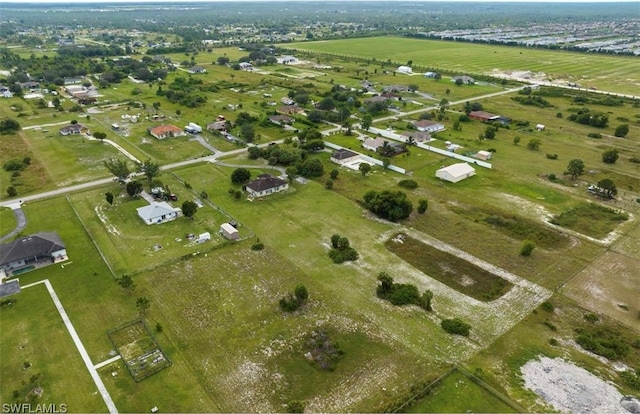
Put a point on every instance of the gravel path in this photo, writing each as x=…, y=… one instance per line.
x=569, y=388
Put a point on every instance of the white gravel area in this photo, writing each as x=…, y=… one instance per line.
x=569, y=388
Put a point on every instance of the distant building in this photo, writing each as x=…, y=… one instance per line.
x=425, y=125
x=404, y=69
x=158, y=213
x=229, y=232
x=488, y=117
x=483, y=155
x=467, y=80
x=344, y=156
x=166, y=131
x=74, y=129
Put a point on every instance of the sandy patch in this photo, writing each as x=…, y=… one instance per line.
x=569, y=388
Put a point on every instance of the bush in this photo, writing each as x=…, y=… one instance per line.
x=527, y=248
x=635, y=160
x=257, y=246
x=455, y=326
x=547, y=306
x=610, y=156
x=295, y=406
x=12, y=192
x=591, y=317
x=552, y=177
x=341, y=251
x=422, y=206
x=553, y=342
x=552, y=156
x=14, y=165
x=595, y=135
x=408, y=184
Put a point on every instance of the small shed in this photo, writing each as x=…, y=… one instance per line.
x=229, y=232
x=540, y=127
x=483, y=155
x=204, y=237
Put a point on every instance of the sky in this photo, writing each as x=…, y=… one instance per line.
x=217, y=1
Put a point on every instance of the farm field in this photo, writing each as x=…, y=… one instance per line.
x=611, y=73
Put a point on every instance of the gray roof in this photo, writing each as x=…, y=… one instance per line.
x=266, y=182
x=155, y=210
x=343, y=154
x=35, y=245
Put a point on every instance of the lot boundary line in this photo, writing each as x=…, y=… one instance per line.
x=76, y=340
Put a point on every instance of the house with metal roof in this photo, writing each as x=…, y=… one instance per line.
x=158, y=213
x=456, y=172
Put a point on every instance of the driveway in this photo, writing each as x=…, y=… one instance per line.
x=20, y=219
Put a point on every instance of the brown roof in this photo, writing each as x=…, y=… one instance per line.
x=482, y=115
x=265, y=182
x=164, y=129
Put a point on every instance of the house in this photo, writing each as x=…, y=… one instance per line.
x=344, y=156
x=488, y=117
x=456, y=172
x=396, y=88
x=193, y=128
x=31, y=85
x=286, y=100
x=377, y=98
x=290, y=109
x=425, y=125
x=229, y=232
x=540, y=127
x=72, y=81
x=266, y=184
x=418, y=136
x=197, y=69
x=36, y=250
x=466, y=80
x=166, y=131
x=373, y=143
x=483, y=155
x=404, y=69
x=430, y=74
x=286, y=60
x=74, y=129
x=157, y=213
x=217, y=126
x=281, y=119
x=392, y=96
x=245, y=66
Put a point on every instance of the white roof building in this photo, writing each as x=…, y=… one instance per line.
x=157, y=213
x=456, y=172
x=404, y=69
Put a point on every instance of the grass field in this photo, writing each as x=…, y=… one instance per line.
x=591, y=219
x=614, y=73
x=456, y=393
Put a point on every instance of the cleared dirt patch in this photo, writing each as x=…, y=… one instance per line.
x=463, y=276
x=610, y=285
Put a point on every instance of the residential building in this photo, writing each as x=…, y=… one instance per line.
x=425, y=125
x=166, y=131
x=158, y=213
x=456, y=172
x=344, y=156
x=28, y=253
x=266, y=184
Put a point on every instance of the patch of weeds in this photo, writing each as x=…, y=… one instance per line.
x=321, y=351
x=550, y=325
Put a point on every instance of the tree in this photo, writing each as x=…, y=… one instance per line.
x=621, y=131
x=222, y=60
x=575, y=168
x=240, y=176
x=425, y=300
x=364, y=168
x=334, y=173
x=143, y=305
x=610, y=156
x=527, y=248
x=516, y=140
x=437, y=76
x=367, y=120
x=150, y=169
x=12, y=192
x=134, y=188
x=329, y=184
x=455, y=326
x=247, y=132
x=119, y=168
x=490, y=132
x=189, y=208
x=109, y=197
x=126, y=282
x=534, y=144
x=9, y=126
x=100, y=135
x=386, y=284
x=390, y=205
x=459, y=82
x=608, y=186
x=301, y=293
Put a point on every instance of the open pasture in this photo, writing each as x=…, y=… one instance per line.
x=611, y=73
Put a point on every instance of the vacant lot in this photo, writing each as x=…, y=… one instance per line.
x=610, y=285
x=590, y=219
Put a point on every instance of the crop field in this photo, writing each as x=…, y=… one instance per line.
x=614, y=73
x=458, y=274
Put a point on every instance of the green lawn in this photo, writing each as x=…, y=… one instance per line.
x=456, y=393
x=7, y=221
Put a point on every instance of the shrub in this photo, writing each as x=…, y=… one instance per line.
x=455, y=326
x=550, y=326
x=322, y=352
x=552, y=156
x=591, y=317
x=610, y=156
x=12, y=192
x=552, y=177
x=527, y=248
x=14, y=165
x=422, y=206
x=408, y=184
x=547, y=306
x=553, y=342
x=295, y=406
x=635, y=160
x=257, y=246
x=595, y=135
